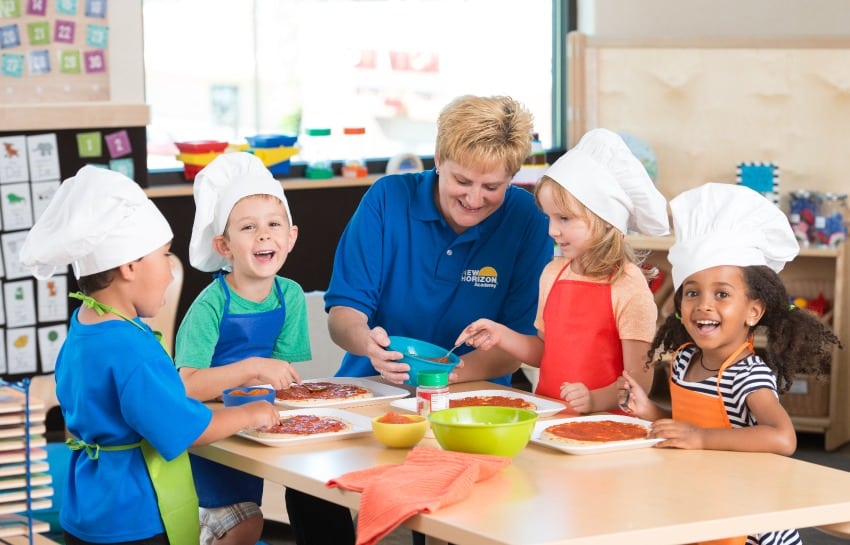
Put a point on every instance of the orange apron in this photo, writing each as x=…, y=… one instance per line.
x=582, y=340
x=704, y=411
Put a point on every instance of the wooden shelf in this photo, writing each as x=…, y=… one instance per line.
x=289, y=184
x=74, y=115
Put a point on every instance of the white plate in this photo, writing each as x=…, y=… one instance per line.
x=545, y=407
x=380, y=391
x=592, y=449
x=360, y=425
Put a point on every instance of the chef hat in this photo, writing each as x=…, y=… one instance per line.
x=218, y=187
x=603, y=174
x=96, y=221
x=726, y=224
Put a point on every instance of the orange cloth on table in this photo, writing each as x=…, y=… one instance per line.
x=427, y=480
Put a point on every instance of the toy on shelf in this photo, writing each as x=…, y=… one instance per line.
x=274, y=150
x=818, y=219
x=197, y=154
x=761, y=177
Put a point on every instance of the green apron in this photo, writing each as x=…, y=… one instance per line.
x=172, y=481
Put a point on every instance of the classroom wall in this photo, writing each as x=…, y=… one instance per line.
x=700, y=18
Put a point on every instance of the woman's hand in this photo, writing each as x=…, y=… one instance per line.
x=384, y=361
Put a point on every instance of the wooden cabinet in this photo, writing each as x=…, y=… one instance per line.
x=819, y=406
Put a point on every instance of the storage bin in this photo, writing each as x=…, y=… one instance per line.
x=808, y=396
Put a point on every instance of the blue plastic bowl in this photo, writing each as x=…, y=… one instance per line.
x=271, y=140
x=420, y=355
x=246, y=394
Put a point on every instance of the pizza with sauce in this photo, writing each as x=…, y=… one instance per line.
x=492, y=400
x=313, y=393
x=302, y=425
x=594, y=432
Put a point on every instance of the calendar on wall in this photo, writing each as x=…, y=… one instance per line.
x=54, y=51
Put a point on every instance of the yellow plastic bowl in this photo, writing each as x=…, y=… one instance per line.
x=500, y=431
x=403, y=435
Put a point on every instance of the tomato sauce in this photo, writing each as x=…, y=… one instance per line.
x=598, y=430
x=307, y=424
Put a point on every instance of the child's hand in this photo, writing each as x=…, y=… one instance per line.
x=278, y=373
x=261, y=414
x=577, y=395
x=677, y=434
x=481, y=334
x=632, y=397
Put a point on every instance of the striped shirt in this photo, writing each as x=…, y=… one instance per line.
x=737, y=382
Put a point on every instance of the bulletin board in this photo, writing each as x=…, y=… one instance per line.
x=704, y=106
x=54, y=50
x=34, y=314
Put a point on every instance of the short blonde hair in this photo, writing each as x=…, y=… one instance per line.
x=484, y=133
x=608, y=252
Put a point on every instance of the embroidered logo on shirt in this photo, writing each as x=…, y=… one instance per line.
x=485, y=277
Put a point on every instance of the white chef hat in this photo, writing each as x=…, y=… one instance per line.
x=97, y=220
x=218, y=187
x=605, y=176
x=726, y=224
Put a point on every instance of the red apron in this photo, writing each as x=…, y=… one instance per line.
x=582, y=341
x=704, y=411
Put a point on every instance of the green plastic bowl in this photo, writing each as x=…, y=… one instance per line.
x=500, y=431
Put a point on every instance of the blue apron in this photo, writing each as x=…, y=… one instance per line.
x=240, y=336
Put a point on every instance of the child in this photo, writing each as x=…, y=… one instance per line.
x=245, y=326
x=730, y=244
x=115, y=383
x=595, y=309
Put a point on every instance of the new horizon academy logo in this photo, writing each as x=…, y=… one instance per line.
x=485, y=277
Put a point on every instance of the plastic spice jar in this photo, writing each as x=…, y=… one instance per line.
x=318, y=155
x=432, y=394
x=355, y=164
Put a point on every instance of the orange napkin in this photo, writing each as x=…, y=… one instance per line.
x=427, y=480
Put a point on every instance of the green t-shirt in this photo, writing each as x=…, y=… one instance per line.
x=198, y=332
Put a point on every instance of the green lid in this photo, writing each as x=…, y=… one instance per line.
x=433, y=378
x=318, y=132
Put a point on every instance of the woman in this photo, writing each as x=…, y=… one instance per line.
x=427, y=253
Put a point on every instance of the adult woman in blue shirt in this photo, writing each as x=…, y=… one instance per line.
x=426, y=252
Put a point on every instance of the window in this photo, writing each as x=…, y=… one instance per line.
x=218, y=69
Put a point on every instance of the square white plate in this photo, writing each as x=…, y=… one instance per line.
x=545, y=407
x=609, y=446
x=360, y=425
x=380, y=392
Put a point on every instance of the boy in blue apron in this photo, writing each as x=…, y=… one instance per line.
x=245, y=327
x=123, y=402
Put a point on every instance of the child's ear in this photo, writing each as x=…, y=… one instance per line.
x=127, y=271
x=755, y=313
x=222, y=247
x=293, y=236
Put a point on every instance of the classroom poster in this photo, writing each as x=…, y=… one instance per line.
x=54, y=50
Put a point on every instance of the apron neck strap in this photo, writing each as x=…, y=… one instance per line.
x=101, y=309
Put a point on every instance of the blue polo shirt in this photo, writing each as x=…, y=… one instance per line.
x=401, y=264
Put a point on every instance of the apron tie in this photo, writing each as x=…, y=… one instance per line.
x=102, y=309
x=93, y=449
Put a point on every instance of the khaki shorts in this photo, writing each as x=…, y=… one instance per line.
x=217, y=521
